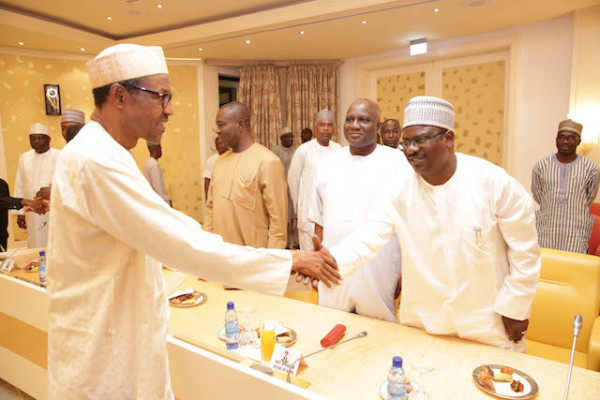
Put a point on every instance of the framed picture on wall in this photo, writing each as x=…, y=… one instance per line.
x=52, y=99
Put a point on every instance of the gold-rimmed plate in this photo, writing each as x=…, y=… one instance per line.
x=286, y=340
x=200, y=298
x=503, y=390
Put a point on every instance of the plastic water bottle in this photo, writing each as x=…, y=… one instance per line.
x=397, y=381
x=42, y=267
x=232, y=330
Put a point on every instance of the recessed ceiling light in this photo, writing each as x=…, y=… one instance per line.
x=159, y=5
x=436, y=10
x=418, y=46
x=21, y=44
x=109, y=18
x=200, y=49
x=363, y=21
x=82, y=49
x=302, y=32
x=248, y=41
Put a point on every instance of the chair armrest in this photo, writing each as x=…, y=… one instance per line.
x=593, y=362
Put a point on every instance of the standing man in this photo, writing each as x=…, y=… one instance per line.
x=34, y=172
x=108, y=312
x=210, y=163
x=470, y=257
x=285, y=152
x=306, y=135
x=302, y=172
x=565, y=184
x=71, y=117
x=390, y=133
x=153, y=172
x=346, y=187
x=247, y=198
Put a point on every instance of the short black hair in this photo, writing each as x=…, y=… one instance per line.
x=101, y=93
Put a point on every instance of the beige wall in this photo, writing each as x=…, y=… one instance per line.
x=22, y=104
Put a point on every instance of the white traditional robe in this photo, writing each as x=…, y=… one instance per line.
x=300, y=181
x=154, y=176
x=34, y=172
x=469, y=251
x=345, y=188
x=209, y=165
x=108, y=309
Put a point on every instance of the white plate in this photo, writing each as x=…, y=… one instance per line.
x=200, y=300
x=383, y=393
x=503, y=390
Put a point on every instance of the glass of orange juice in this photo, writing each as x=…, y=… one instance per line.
x=267, y=343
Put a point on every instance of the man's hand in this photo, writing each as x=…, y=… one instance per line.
x=21, y=221
x=514, y=328
x=43, y=193
x=318, y=264
x=37, y=206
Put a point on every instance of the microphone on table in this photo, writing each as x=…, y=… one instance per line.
x=7, y=264
x=577, y=322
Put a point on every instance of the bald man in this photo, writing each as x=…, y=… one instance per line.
x=247, y=197
x=346, y=186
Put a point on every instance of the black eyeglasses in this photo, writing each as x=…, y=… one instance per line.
x=165, y=97
x=570, y=139
x=420, y=141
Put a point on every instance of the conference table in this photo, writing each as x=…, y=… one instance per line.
x=354, y=370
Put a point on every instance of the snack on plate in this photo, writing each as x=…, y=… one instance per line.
x=32, y=266
x=186, y=298
x=487, y=369
x=284, y=337
x=517, y=386
x=503, y=377
x=486, y=380
x=507, y=370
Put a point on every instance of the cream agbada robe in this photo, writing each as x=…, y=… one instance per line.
x=300, y=179
x=108, y=308
x=34, y=172
x=247, y=199
x=469, y=251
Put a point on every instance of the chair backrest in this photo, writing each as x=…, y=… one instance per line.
x=595, y=236
x=569, y=285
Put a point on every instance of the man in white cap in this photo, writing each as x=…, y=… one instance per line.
x=346, y=187
x=34, y=172
x=71, y=117
x=303, y=169
x=565, y=184
x=108, y=312
x=285, y=151
x=153, y=172
x=470, y=257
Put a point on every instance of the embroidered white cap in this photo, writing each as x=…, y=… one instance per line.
x=72, y=115
x=286, y=131
x=427, y=110
x=324, y=115
x=39, y=129
x=126, y=61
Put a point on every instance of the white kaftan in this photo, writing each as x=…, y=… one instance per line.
x=300, y=181
x=345, y=189
x=469, y=251
x=34, y=172
x=209, y=165
x=154, y=176
x=108, y=308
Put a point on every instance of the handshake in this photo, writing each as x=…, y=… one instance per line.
x=315, y=266
x=39, y=205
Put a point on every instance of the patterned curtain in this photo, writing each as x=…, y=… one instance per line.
x=310, y=88
x=259, y=91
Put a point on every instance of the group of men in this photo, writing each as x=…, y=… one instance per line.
x=458, y=230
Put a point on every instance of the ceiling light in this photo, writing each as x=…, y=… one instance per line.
x=82, y=49
x=248, y=41
x=159, y=5
x=436, y=10
x=418, y=46
x=200, y=49
x=109, y=18
x=363, y=21
x=21, y=43
x=302, y=32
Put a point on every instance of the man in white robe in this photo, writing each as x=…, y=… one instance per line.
x=70, y=117
x=470, y=257
x=302, y=173
x=221, y=148
x=108, y=310
x=346, y=187
x=285, y=151
x=153, y=172
x=34, y=172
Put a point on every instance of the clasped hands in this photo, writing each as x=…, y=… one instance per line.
x=315, y=266
x=39, y=205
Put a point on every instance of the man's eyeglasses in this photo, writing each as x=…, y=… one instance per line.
x=420, y=141
x=165, y=97
x=570, y=139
